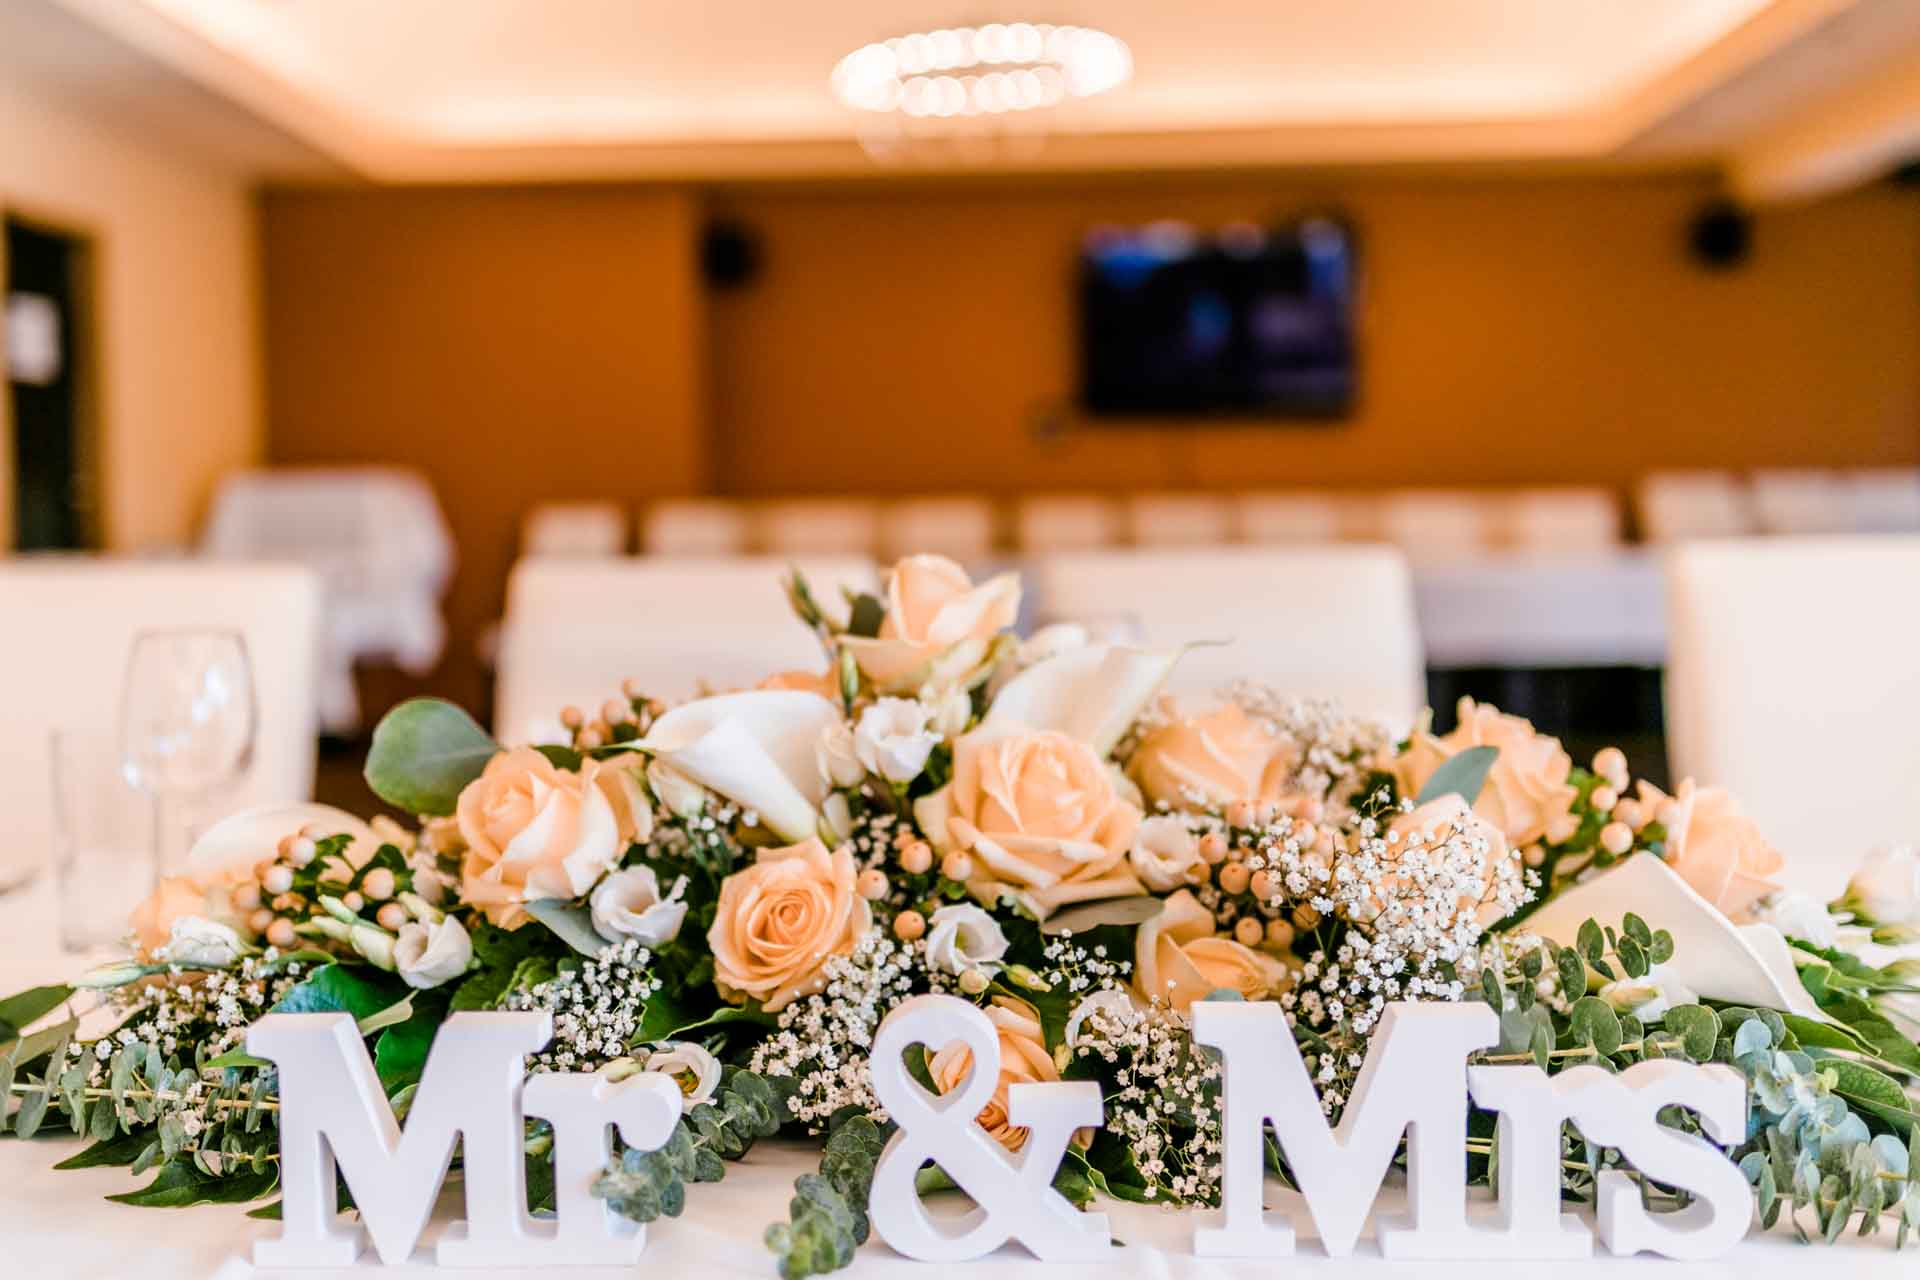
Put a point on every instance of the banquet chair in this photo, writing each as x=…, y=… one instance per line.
x=1438, y=524
x=574, y=529
x=1327, y=622
x=1287, y=517
x=960, y=528
x=694, y=527
x=69, y=626
x=1675, y=506
x=1793, y=683
x=1804, y=501
x=1562, y=520
x=1065, y=522
x=819, y=527
x=574, y=630
x=1178, y=519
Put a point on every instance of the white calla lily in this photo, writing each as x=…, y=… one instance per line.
x=1092, y=693
x=1739, y=964
x=242, y=840
x=755, y=748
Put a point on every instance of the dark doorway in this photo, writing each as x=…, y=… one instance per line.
x=52, y=500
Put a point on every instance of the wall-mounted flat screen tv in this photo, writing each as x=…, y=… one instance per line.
x=1240, y=320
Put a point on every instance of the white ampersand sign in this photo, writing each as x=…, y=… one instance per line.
x=1013, y=1193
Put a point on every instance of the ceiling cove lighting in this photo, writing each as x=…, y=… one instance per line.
x=981, y=71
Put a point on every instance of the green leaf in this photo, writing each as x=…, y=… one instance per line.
x=1633, y=957
x=1573, y=972
x=19, y=1012
x=1591, y=942
x=1867, y=1089
x=572, y=923
x=400, y=1055
x=1636, y=928
x=236, y=1058
x=1698, y=1028
x=109, y=1153
x=1593, y=1023
x=180, y=1184
x=1462, y=775
x=866, y=616
x=561, y=757
x=338, y=988
x=425, y=751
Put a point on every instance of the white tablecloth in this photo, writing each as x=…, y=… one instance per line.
x=1602, y=609
x=57, y=1225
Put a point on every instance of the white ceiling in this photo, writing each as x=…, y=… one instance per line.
x=421, y=89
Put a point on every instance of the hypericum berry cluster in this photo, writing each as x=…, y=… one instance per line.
x=596, y=1008
x=824, y=1039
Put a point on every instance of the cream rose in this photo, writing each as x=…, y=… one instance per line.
x=1041, y=816
x=1178, y=959
x=1023, y=1060
x=1716, y=849
x=534, y=830
x=938, y=627
x=780, y=919
x=1164, y=852
x=1211, y=761
x=1527, y=788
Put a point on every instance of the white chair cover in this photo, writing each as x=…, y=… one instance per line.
x=1439, y=524
x=1179, y=519
x=66, y=628
x=376, y=538
x=960, y=528
x=1793, y=683
x=576, y=629
x=1793, y=502
x=1886, y=501
x=1066, y=522
x=819, y=527
x=694, y=527
x=574, y=529
x=1327, y=622
x=1677, y=505
x=1563, y=520
x=1287, y=517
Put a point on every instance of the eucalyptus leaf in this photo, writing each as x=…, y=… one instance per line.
x=424, y=753
x=572, y=923
x=1461, y=775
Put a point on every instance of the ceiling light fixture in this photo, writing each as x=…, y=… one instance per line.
x=989, y=70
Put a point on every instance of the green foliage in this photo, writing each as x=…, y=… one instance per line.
x=571, y=923
x=338, y=988
x=827, y=1218
x=19, y=1012
x=424, y=753
x=1463, y=775
x=645, y=1185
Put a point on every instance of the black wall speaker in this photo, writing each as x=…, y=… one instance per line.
x=1720, y=235
x=730, y=254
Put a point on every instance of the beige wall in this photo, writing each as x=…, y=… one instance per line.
x=1514, y=330
x=176, y=328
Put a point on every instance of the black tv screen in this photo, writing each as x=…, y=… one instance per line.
x=1242, y=320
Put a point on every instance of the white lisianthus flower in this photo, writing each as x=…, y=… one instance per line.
x=426, y=955
x=893, y=738
x=1163, y=852
x=1798, y=916
x=962, y=936
x=680, y=794
x=1648, y=998
x=195, y=942
x=696, y=1071
x=839, y=763
x=1112, y=1005
x=1886, y=888
x=629, y=904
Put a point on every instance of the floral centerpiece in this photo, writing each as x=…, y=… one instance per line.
x=736, y=890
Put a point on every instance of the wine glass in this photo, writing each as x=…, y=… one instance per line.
x=186, y=725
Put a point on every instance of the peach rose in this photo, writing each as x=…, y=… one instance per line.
x=1041, y=816
x=1177, y=959
x=1451, y=818
x=938, y=628
x=780, y=919
x=1715, y=848
x=176, y=898
x=534, y=830
x=1211, y=761
x=1527, y=789
x=824, y=683
x=1023, y=1060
